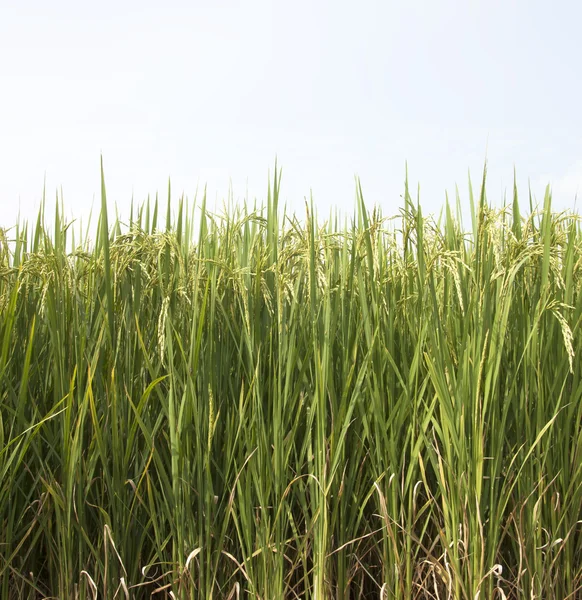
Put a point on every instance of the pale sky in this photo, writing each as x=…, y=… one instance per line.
x=210, y=92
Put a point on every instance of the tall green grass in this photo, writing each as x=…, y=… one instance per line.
x=260, y=405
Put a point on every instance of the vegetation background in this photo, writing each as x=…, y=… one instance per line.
x=273, y=407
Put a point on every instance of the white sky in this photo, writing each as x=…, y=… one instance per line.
x=210, y=91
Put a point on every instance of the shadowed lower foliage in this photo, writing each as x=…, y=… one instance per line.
x=270, y=407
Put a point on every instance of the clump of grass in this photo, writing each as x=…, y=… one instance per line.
x=274, y=407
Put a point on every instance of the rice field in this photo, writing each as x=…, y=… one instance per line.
x=272, y=406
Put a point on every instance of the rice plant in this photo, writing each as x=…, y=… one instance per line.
x=265, y=405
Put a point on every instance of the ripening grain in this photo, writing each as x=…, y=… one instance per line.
x=273, y=407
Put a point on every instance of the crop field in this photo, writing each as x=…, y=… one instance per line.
x=261, y=405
